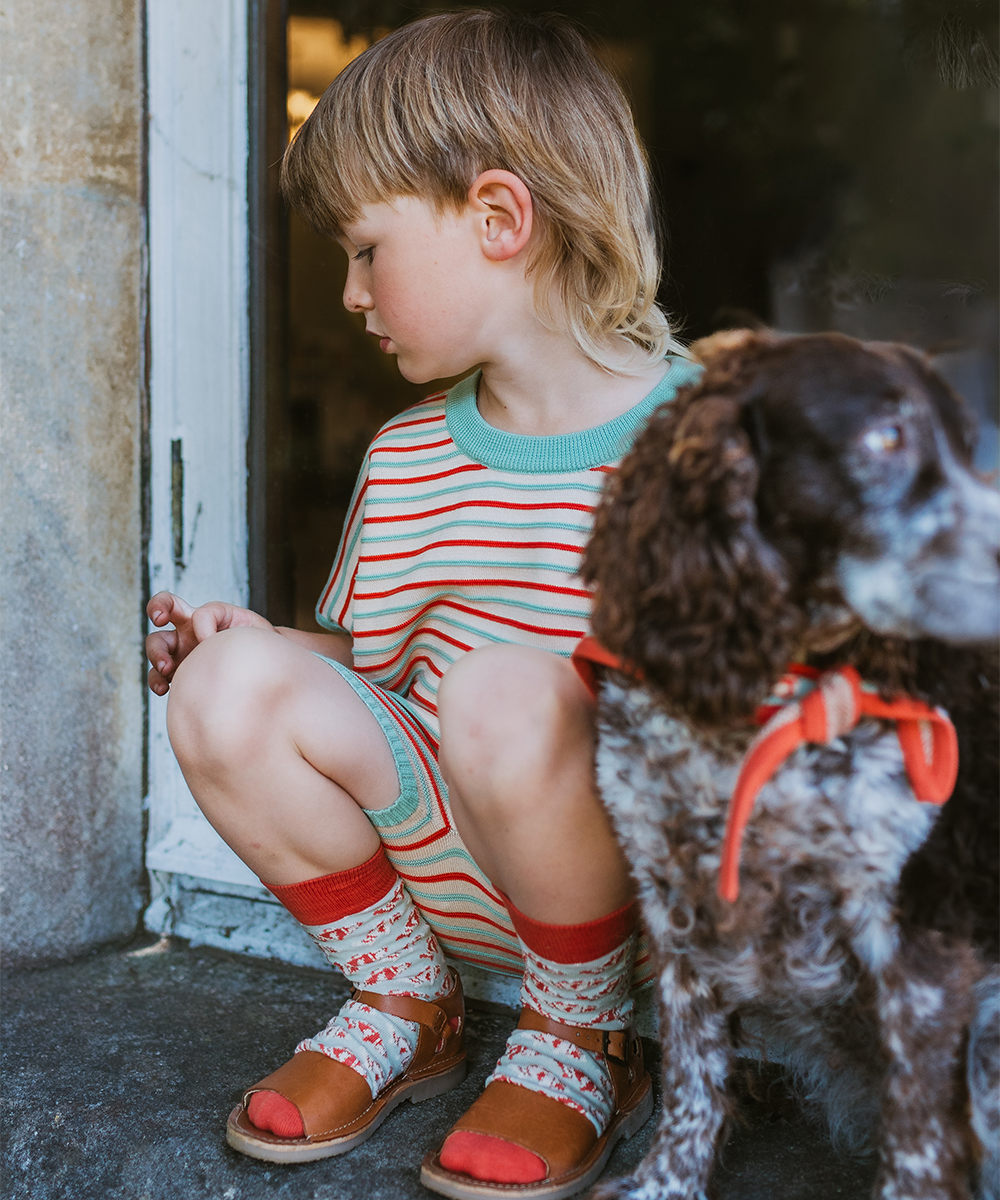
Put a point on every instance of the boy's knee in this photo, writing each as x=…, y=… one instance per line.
x=498, y=688
x=506, y=708
x=221, y=698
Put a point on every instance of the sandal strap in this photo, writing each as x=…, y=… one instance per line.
x=441, y=1022
x=615, y=1043
x=621, y=1048
x=407, y=1008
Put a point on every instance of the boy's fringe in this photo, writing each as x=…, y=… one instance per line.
x=429, y=107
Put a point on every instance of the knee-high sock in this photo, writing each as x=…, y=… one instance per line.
x=366, y=925
x=578, y=974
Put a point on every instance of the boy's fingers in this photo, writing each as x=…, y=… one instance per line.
x=160, y=650
x=156, y=604
x=157, y=684
x=210, y=618
x=165, y=607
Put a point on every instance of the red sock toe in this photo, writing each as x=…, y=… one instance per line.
x=490, y=1159
x=272, y=1112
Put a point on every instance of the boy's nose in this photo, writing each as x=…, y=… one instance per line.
x=356, y=297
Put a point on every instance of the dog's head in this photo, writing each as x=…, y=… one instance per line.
x=806, y=487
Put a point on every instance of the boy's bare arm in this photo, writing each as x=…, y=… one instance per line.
x=167, y=648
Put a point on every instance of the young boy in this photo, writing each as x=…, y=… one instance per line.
x=483, y=175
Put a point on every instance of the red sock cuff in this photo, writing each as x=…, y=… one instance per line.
x=333, y=897
x=575, y=943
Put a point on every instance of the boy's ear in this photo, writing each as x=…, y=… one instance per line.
x=503, y=203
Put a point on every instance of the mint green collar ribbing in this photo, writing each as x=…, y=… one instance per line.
x=526, y=455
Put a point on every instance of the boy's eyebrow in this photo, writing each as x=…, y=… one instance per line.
x=345, y=243
x=357, y=227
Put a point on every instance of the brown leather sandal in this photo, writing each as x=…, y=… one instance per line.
x=562, y=1138
x=335, y=1102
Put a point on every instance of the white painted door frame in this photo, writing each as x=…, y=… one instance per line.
x=199, y=370
x=197, y=60
x=199, y=296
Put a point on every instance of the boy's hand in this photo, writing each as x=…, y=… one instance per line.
x=167, y=650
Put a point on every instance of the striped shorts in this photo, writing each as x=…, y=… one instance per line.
x=421, y=841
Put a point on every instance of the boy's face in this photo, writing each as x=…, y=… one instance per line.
x=423, y=283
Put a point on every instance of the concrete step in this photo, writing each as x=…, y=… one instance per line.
x=119, y=1071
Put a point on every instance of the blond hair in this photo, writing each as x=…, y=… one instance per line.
x=429, y=107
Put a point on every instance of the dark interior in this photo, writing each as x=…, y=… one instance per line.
x=823, y=164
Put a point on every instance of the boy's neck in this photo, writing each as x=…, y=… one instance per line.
x=555, y=389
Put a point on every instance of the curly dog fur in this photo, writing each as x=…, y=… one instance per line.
x=810, y=499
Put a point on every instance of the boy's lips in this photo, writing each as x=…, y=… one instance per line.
x=383, y=341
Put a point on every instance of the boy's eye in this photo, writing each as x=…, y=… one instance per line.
x=365, y=254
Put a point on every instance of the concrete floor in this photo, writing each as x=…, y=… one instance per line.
x=119, y=1071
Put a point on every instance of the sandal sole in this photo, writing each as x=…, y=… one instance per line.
x=464, y=1187
x=269, y=1148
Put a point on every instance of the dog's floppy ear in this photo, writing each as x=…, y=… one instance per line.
x=687, y=589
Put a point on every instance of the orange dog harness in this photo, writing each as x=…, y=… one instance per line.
x=815, y=708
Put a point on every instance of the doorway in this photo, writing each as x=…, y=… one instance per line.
x=826, y=164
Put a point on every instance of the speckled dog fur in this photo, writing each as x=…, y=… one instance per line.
x=768, y=516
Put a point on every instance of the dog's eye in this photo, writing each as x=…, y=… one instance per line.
x=883, y=439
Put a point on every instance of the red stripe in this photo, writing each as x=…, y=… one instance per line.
x=452, y=876
x=431, y=666
x=409, y=685
x=423, y=701
x=488, y=964
x=525, y=584
x=479, y=543
x=418, y=737
x=387, y=663
x=414, y=727
x=401, y=685
x=407, y=724
x=437, y=912
x=405, y=482
x=422, y=743
x=421, y=753
x=442, y=602
x=437, y=418
x=335, y=571
x=408, y=449
x=454, y=937
x=505, y=504
x=422, y=844
x=342, y=615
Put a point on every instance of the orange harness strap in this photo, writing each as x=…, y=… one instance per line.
x=588, y=652
x=926, y=737
x=834, y=707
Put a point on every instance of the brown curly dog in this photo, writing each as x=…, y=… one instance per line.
x=810, y=501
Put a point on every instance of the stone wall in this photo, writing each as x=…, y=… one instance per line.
x=72, y=255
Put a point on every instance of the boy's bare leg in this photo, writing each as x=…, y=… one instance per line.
x=280, y=753
x=517, y=752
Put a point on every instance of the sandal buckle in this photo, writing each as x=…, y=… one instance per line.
x=616, y=1045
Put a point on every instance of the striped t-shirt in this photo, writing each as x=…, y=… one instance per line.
x=460, y=534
